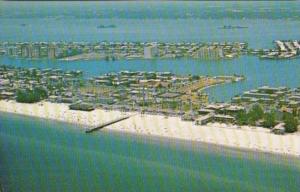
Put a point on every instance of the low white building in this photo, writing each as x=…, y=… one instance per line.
x=151, y=51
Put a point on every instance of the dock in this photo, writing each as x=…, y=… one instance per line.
x=107, y=124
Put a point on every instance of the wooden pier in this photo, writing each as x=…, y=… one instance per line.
x=106, y=124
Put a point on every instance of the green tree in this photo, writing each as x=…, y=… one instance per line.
x=31, y=96
x=261, y=51
x=27, y=73
x=255, y=114
x=251, y=120
x=195, y=77
x=291, y=123
x=27, y=96
x=41, y=92
x=295, y=112
x=269, y=120
x=242, y=118
x=34, y=73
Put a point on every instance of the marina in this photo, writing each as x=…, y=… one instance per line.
x=284, y=50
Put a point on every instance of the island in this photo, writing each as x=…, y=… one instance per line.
x=123, y=50
x=110, y=51
x=127, y=90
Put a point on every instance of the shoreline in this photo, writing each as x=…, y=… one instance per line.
x=188, y=143
x=255, y=139
x=171, y=140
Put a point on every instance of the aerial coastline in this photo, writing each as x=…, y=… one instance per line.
x=245, y=137
x=159, y=104
x=150, y=96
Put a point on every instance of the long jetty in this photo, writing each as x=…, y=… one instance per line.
x=107, y=124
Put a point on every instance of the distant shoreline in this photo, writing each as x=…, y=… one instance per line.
x=152, y=0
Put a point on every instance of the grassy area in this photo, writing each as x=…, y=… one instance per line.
x=200, y=84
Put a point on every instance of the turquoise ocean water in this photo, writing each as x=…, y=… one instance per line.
x=39, y=155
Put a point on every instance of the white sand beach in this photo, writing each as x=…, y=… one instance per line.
x=254, y=138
